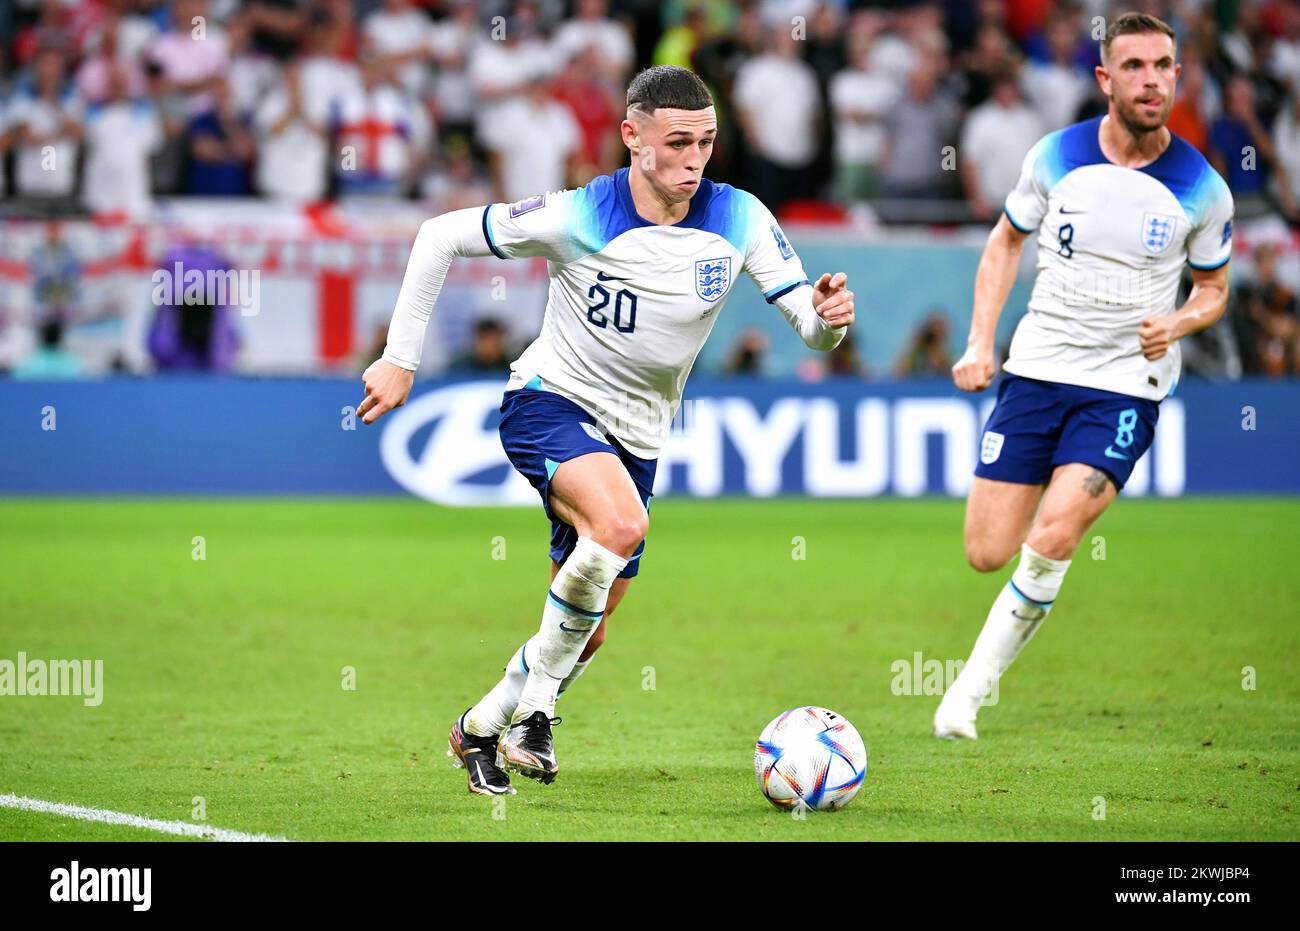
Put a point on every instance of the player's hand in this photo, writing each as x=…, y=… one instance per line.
x=1155, y=336
x=387, y=386
x=833, y=300
x=974, y=370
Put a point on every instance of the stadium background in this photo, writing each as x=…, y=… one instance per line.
x=299, y=145
x=185, y=493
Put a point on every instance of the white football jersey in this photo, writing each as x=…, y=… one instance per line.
x=631, y=302
x=1112, y=242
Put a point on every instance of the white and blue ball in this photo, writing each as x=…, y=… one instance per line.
x=810, y=757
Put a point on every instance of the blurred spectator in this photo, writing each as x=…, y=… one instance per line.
x=997, y=135
x=220, y=149
x=918, y=128
x=843, y=361
x=824, y=48
x=1058, y=87
x=277, y=26
x=861, y=98
x=992, y=56
x=746, y=356
x=198, y=336
x=504, y=67
x=293, y=147
x=1187, y=117
x=95, y=72
x=193, y=57
x=488, y=350
x=1272, y=329
x=122, y=133
x=453, y=42
x=251, y=73
x=457, y=183
x=47, y=123
x=1241, y=150
x=50, y=360
x=384, y=134
x=779, y=108
x=926, y=355
x=533, y=145
x=402, y=36
x=592, y=29
x=594, y=105
x=1286, y=145
x=55, y=272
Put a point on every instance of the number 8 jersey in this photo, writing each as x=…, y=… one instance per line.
x=631, y=302
x=1112, y=243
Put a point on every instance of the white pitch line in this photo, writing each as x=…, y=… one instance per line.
x=181, y=828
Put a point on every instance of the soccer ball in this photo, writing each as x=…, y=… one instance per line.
x=810, y=757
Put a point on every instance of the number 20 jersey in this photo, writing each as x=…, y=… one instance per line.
x=631, y=303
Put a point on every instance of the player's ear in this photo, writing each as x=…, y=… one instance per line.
x=1103, y=79
x=631, y=138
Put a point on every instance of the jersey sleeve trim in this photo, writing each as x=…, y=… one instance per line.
x=781, y=290
x=1210, y=268
x=1014, y=223
x=487, y=235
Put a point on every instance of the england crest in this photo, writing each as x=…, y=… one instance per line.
x=991, y=448
x=712, y=278
x=1158, y=231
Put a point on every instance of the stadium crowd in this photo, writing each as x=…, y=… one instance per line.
x=922, y=110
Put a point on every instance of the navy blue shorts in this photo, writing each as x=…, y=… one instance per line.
x=1039, y=425
x=540, y=430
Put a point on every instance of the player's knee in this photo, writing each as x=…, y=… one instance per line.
x=985, y=555
x=985, y=558
x=623, y=533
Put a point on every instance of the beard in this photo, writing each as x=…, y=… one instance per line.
x=1137, y=122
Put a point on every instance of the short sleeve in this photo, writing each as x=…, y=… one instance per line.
x=541, y=225
x=1209, y=245
x=769, y=258
x=1026, y=205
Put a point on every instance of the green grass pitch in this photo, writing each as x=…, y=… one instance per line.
x=224, y=676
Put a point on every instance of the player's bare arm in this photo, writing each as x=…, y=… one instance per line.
x=1204, y=306
x=994, y=278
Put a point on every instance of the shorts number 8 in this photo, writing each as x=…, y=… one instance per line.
x=1127, y=424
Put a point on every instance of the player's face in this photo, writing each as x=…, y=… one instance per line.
x=1139, y=76
x=671, y=149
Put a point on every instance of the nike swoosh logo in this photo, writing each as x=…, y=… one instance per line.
x=1062, y=209
x=571, y=630
x=601, y=276
x=1114, y=455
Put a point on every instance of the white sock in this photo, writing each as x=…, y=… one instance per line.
x=1019, y=609
x=574, y=607
x=492, y=714
x=578, y=669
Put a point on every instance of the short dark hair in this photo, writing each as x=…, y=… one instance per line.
x=1134, y=24
x=668, y=86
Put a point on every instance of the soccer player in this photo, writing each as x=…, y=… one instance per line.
x=640, y=262
x=1120, y=204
